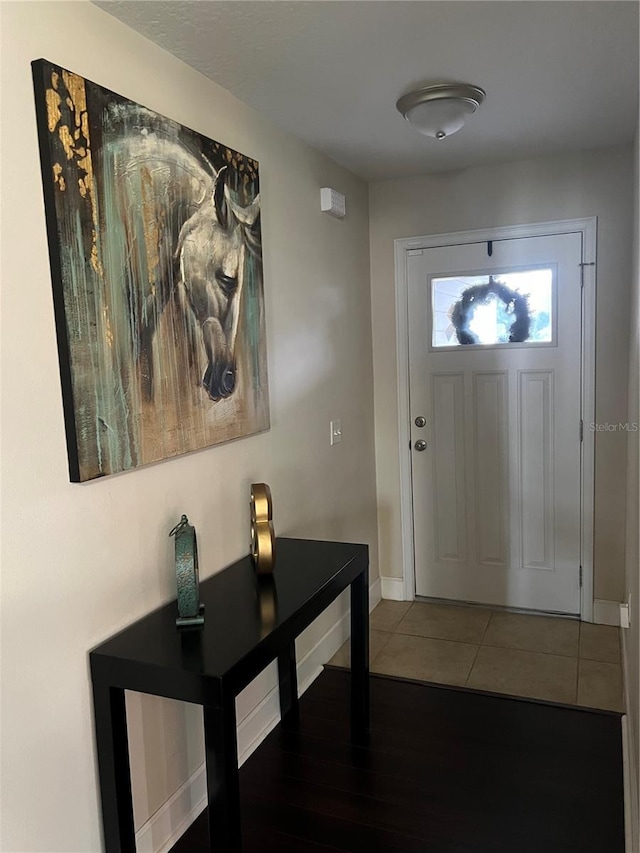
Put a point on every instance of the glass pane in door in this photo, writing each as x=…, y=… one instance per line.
x=492, y=310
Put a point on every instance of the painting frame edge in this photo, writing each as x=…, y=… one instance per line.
x=38, y=68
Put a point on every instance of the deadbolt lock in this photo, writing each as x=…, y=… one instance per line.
x=420, y=421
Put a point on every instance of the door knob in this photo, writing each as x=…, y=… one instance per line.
x=420, y=421
x=420, y=445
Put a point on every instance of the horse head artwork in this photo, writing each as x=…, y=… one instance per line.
x=211, y=251
x=159, y=255
x=200, y=237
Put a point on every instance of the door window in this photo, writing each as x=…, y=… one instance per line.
x=504, y=308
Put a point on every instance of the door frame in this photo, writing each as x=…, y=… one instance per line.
x=587, y=228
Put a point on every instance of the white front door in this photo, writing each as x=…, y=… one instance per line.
x=495, y=401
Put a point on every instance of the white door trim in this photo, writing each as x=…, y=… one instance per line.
x=588, y=229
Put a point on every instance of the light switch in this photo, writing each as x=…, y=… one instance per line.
x=625, y=614
x=336, y=432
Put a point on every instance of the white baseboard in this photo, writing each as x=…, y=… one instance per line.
x=170, y=822
x=606, y=612
x=630, y=767
x=173, y=818
x=375, y=593
x=392, y=588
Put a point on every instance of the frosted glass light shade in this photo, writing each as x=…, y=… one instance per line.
x=439, y=111
x=439, y=118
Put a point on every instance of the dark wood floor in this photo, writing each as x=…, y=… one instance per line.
x=446, y=771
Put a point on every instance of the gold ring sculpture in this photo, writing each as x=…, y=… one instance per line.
x=262, y=535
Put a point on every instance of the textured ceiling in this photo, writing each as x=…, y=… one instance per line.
x=558, y=75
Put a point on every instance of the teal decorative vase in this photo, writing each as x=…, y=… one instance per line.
x=190, y=610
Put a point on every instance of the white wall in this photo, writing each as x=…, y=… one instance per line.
x=81, y=561
x=595, y=183
x=631, y=637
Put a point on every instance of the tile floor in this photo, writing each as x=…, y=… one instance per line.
x=541, y=657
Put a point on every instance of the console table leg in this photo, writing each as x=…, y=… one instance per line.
x=223, y=788
x=113, y=769
x=360, y=657
x=288, y=687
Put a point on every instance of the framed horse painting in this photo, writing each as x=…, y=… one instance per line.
x=156, y=259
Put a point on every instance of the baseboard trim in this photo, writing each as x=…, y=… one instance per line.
x=606, y=612
x=170, y=822
x=392, y=588
x=173, y=818
x=375, y=593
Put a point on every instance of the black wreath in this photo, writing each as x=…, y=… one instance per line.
x=481, y=294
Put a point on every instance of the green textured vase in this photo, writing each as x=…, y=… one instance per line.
x=190, y=611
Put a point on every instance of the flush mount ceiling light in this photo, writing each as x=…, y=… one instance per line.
x=441, y=110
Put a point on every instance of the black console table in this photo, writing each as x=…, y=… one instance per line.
x=249, y=622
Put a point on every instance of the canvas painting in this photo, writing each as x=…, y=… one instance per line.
x=156, y=258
